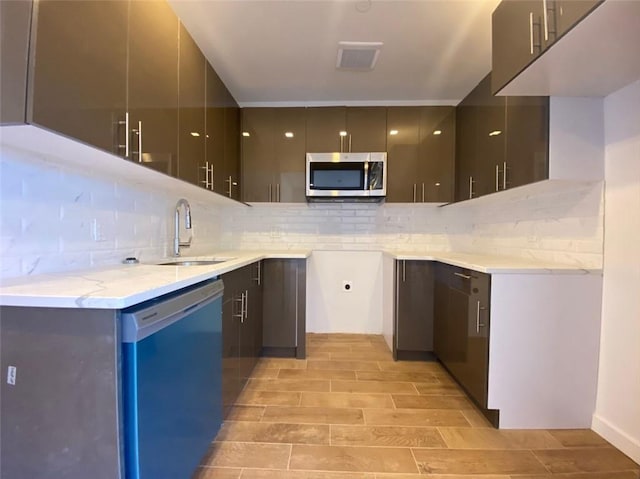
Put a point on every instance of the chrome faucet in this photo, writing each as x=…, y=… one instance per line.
x=187, y=224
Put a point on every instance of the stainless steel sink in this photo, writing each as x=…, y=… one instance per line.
x=192, y=262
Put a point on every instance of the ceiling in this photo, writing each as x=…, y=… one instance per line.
x=275, y=52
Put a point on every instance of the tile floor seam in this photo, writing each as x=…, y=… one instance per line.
x=290, y=454
x=540, y=461
x=415, y=460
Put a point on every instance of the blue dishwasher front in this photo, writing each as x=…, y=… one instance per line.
x=172, y=381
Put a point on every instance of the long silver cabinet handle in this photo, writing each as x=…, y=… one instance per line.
x=471, y=182
x=257, y=278
x=478, y=323
x=139, y=142
x=124, y=122
x=504, y=175
x=423, y=192
x=414, y=192
x=246, y=304
x=241, y=301
x=210, y=172
x=277, y=192
x=531, y=33
x=545, y=17
x=497, y=178
x=404, y=271
x=464, y=276
x=206, y=175
x=270, y=196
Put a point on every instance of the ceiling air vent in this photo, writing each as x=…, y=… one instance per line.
x=358, y=55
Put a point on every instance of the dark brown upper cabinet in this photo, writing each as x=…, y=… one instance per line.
x=480, y=133
x=79, y=70
x=326, y=129
x=231, y=178
x=153, y=85
x=501, y=142
x=273, y=154
x=403, y=154
x=522, y=30
x=420, y=148
x=222, y=137
x=126, y=77
x=366, y=129
x=346, y=129
x=565, y=14
x=258, y=153
x=527, y=141
x=15, y=20
x=192, y=162
x=436, y=154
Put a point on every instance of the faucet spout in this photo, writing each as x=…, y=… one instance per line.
x=182, y=203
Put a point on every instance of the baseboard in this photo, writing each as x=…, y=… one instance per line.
x=627, y=444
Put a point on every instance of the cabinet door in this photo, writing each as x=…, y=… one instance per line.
x=436, y=154
x=255, y=308
x=414, y=319
x=323, y=129
x=527, y=141
x=402, y=154
x=279, y=327
x=490, y=138
x=516, y=38
x=465, y=162
x=231, y=179
x=15, y=31
x=284, y=290
x=80, y=70
x=153, y=85
x=570, y=12
x=191, y=112
x=366, y=129
x=441, y=311
x=476, y=369
x=230, y=354
x=290, y=149
x=214, y=139
x=258, y=154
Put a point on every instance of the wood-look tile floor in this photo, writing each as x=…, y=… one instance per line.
x=350, y=412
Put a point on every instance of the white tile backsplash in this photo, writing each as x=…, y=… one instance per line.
x=56, y=218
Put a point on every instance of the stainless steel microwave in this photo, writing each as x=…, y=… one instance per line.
x=346, y=176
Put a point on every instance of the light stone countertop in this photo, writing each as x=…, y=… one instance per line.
x=121, y=286
x=492, y=264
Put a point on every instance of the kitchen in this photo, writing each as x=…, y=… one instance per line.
x=61, y=217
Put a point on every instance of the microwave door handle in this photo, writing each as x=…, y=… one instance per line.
x=366, y=176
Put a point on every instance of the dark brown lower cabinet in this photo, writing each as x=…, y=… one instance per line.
x=461, y=329
x=284, y=302
x=413, y=325
x=241, y=330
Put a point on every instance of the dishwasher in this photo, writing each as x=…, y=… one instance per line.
x=172, y=381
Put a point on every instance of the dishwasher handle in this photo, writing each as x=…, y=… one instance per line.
x=143, y=320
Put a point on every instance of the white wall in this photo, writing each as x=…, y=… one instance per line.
x=331, y=308
x=576, y=138
x=49, y=214
x=617, y=415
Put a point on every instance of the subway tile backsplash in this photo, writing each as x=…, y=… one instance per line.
x=55, y=218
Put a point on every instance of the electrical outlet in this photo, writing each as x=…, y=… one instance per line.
x=11, y=375
x=347, y=285
x=97, y=232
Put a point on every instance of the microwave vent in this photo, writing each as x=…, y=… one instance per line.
x=358, y=55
